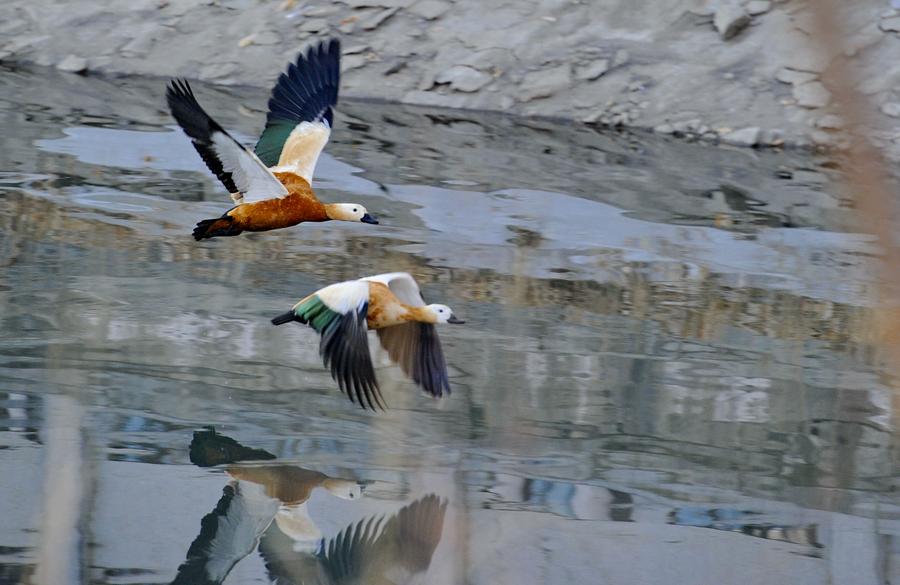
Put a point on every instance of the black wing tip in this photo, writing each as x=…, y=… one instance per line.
x=308, y=89
x=345, y=350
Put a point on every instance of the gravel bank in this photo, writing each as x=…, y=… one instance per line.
x=741, y=73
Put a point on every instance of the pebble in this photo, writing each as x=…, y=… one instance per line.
x=463, y=78
x=757, y=7
x=785, y=75
x=665, y=128
x=771, y=136
x=811, y=95
x=830, y=122
x=73, y=64
x=743, y=137
x=545, y=83
x=430, y=9
x=314, y=25
x=892, y=109
x=593, y=70
x=378, y=18
x=730, y=19
x=350, y=62
x=890, y=24
x=620, y=58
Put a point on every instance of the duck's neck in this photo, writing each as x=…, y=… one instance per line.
x=337, y=212
x=421, y=314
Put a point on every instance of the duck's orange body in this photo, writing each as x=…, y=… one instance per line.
x=298, y=206
x=386, y=310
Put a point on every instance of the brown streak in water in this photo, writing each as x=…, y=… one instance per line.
x=298, y=206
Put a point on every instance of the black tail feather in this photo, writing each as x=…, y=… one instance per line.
x=211, y=228
x=287, y=318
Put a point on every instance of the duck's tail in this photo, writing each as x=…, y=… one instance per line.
x=220, y=226
x=287, y=318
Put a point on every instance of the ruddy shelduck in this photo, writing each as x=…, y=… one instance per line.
x=271, y=187
x=392, y=305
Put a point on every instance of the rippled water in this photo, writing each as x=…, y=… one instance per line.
x=666, y=376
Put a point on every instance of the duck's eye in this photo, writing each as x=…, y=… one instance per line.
x=354, y=210
x=440, y=310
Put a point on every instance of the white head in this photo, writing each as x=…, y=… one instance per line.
x=349, y=212
x=443, y=314
x=343, y=488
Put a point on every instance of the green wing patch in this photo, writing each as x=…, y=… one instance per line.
x=271, y=141
x=316, y=313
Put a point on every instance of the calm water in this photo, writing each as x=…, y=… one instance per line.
x=666, y=375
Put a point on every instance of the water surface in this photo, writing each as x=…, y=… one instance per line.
x=666, y=375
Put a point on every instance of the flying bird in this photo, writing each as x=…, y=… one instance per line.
x=272, y=186
x=392, y=305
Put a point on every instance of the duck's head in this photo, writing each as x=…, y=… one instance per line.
x=444, y=314
x=349, y=212
x=343, y=488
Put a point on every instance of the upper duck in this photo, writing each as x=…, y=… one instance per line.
x=271, y=187
x=392, y=305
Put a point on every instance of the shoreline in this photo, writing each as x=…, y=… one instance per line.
x=682, y=69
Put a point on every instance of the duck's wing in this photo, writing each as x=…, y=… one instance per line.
x=338, y=313
x=301, y=111
x=414, y=346
x=240, y=170
x=372, y=549
x=403, y=285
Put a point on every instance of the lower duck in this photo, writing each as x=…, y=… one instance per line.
x=390, y=304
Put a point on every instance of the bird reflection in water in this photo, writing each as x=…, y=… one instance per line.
x=265, y=506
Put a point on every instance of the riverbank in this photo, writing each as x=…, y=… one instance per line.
x=741, y=73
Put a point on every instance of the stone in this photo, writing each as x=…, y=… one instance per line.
x=811, y=95
x=891, y=109
x=430, y=9
x=545, y=83
x=620, y=58
x=830, y=122
x=593, y=70
x=355, y=49
x=664, y=129
x=73, y=64
x=377, y=19
x=785, y=75
x=890, y=24
x=266, y=37
x=463, y=78
x=687, y=126
x=757, y=7
x=730, y=19
x=313, y=25
x=350, y=62
x=743, y=137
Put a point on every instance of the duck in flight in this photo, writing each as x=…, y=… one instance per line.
x=271, y=187
x=392, y=305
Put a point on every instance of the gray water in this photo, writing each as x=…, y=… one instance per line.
x=666, y=375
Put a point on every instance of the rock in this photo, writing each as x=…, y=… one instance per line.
x=218, y=71
x=376, y=20
x=891, y=24
x=757, y=7
x=395, y=67
x=266, y=37
x=743, y=137
x=771, y=137
x=313, y=25
x=355, y=49
x=463, y=78
x=803, y=57
x=785, y=75
x=892, y=109
x=545, y=83
x=593, y=70
x=620, y=58
x=830, y=122
x=73, y=64
x=430, y=9
x=664, y=129
x=730, y=19
x=687, y=126
x=350, y=62
x=811, y=95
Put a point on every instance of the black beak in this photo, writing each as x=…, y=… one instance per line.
x=454, y=320
x=369, y=219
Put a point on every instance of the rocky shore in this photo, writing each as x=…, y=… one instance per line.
x=740, y=73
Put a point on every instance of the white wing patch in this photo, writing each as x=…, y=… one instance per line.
x=250, y=175
x=402, y=285
x=302, y=148
x=345, y=297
